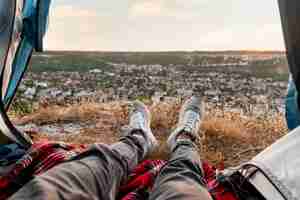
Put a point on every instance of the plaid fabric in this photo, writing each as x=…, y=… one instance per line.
x=216, y=189
x=142, y=179
x=45, y=155
x=40, y=158
x=10, y=153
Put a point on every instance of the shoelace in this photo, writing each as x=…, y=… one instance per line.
x=191, y=120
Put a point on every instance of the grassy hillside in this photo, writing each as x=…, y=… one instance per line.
x=227, y=137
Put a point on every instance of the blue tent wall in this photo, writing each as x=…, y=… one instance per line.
x=35, y=14
x=290, y=18
x=7, y=9
x=26, y=31
x=292, y=108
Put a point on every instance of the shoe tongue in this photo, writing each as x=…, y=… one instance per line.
x=137, y=118
x=190, y=117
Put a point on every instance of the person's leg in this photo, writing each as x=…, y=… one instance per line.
x=182, y=176
x=98, y=173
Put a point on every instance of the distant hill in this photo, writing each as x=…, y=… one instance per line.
x=66, y=62
x=84, y=61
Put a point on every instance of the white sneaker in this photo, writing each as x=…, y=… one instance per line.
x=140, y=119
x=189, y=121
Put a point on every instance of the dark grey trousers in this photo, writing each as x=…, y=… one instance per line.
x=98, y=173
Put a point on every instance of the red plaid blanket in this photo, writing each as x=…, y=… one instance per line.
x=40, y=158
x=142, y=179
x=43, y=156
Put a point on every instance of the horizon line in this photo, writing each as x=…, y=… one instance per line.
x=174, y=51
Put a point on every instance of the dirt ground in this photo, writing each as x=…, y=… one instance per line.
x=227, y=139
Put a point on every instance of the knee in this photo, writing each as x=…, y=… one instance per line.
x=183, y=164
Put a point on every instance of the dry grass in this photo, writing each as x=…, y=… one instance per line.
x=227, y=138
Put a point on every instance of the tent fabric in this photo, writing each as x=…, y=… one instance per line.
x=30, y=28
x=9, y=134
x=281, y=163
x=291, y=104
x=7, y=10
x=281, y=160
x=15, y=40
x=290, y=16
x=22, y=27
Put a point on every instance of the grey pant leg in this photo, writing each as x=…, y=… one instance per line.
x=96, y=174
x=181, y=178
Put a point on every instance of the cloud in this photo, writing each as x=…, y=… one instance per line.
x=72, y=11
x=266, y=36
x=168, y=8
x=161, y=8
x=147, y=8
x=85, y=28
x=150, y=25
x=72, y=28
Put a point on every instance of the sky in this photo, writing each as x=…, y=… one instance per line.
x=164, y=25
